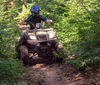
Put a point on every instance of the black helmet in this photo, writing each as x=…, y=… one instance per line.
x=35, y=10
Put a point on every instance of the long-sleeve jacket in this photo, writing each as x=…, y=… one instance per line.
x=34, y=20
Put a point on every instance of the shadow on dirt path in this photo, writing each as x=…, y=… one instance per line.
x=59, y=74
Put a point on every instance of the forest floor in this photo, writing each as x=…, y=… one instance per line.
x=60, y=74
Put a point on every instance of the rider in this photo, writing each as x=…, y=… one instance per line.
x=35, y=17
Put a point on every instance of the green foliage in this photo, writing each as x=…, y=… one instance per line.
x=8, y=83
x=85, y=26
x=10, y=69
x=8, y=32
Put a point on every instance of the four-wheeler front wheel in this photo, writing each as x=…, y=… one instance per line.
x=24, y=54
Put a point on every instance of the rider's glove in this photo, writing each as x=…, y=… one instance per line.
x=48, y=21
x=25, y=23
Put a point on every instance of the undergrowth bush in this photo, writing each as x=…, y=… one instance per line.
x=10, y=70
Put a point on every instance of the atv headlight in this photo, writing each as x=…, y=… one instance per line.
x=51, y=34
x=32, y=37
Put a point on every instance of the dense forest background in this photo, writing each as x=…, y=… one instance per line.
x=77, y=23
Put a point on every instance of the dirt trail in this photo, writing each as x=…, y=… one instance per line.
x=59, y=74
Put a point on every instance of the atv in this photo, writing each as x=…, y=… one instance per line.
x=38, y=45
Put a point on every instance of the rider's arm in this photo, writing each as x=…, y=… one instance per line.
x=45, y=19
x=28, y=19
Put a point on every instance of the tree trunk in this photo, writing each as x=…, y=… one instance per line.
x=23, y=5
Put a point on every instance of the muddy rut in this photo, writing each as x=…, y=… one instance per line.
x=59, y=74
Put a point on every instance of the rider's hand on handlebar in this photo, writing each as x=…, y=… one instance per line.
x=49, y=21
x=25, y=23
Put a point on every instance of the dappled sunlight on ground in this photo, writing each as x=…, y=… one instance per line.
x=38, y=66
